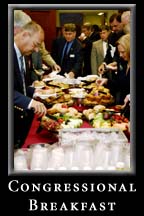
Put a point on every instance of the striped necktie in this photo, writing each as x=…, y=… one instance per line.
x=23, y=74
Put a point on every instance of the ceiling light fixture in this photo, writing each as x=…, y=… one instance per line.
x=101, y=13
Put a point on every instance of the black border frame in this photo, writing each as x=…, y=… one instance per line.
x=132, y=7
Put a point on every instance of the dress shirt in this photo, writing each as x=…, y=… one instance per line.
x=18, y=53
x=113, y=49
x=22, y=66
x=105, y=46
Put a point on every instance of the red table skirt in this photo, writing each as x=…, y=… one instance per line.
x=43, y=136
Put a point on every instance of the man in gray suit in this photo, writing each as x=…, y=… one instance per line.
x=99, y=49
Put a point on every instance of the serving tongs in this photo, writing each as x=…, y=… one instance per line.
x=111, y=111
x=51, y=103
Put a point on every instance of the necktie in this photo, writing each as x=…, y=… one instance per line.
x=65, y=50
x=108, y=56
x=23, y=74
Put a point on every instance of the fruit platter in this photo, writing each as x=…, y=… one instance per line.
x=60, y=116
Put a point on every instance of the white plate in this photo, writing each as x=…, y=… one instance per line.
x=88, y=77
x=78, y=96
x=92, y=76
x=53, y=74
x=76, y=90
x=44, y=96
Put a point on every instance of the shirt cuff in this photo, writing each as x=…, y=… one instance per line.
x=29, y=106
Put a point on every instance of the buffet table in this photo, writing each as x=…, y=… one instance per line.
x=92, y=136
x=62, y=91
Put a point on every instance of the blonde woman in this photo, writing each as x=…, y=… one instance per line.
x=120, y=84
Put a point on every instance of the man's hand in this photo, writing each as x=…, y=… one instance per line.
x=57, y=67
x=101, y=81
x=101, y=69
x=71, y=75
x=39, y=108
x=82, y=36
x=127, y=99
x=112, y=66
x=104, y=67
x=45, y=67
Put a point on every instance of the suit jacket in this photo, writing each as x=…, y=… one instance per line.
x=32, y=61
x=74, y=59
x=119, y=85
x=112, y=39
x=97, y=55
x=87, y=47
x=22, y=116
x=20, y=100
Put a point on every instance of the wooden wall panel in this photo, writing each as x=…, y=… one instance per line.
x=47, y=19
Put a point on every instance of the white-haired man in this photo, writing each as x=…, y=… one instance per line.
x=25, y=42
x=21, y=19
x=125, y=19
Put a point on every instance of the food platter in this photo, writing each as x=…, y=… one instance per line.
x=38, y=84
x=84, y=98
x=54, y=124
x=44, y=96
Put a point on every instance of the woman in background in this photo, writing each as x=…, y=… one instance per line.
x=120, y=84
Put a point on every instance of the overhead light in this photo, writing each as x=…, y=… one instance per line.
x=101, y=13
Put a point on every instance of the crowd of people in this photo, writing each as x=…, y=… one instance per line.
x=105, y=53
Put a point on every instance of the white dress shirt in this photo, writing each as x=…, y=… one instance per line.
x=105, y=47
x=18, y=53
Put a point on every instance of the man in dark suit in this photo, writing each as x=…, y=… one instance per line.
x=87, y=37
x=25, y=42
x=112, y=55
x=68, y=52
